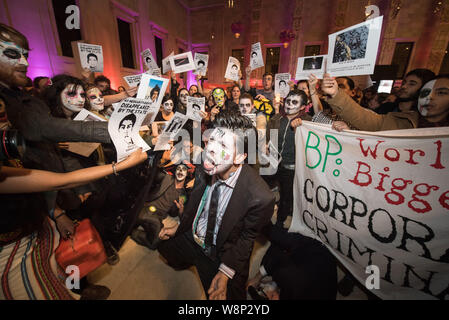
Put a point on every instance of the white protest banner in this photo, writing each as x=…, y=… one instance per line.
x=378, y=200
x=201, y=63
x=281, y=85
x=91, y=56
x=182, y=62
x=353, y=51
x=134, y=80
x=256, y=60
x=166, y=66
x=194, y=107
x=125, y=123
x=232, y=70
x=310, y=65
x=152, y=88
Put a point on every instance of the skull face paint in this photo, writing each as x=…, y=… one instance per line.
x=12, y=54
x=167, y=106
x=73, y=99
x=183, y=97
x=219, y=152
x=245, y=106
x=219, y=97
x=292, y=104
x=424, y=97
x=181, y=173
x=96, y=99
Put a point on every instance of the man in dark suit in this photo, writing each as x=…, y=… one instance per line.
x=228, y=206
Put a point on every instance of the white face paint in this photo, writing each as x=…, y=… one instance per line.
x=424, y=97
x=181, y=173
x=220, y=151
x=73, y=99
x=12, y=54
x=168, y=106
x=292, y=104
x=183, y=97
x=96, y=99
x=245, y=106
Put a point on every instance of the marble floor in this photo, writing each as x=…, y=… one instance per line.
x=142, y=274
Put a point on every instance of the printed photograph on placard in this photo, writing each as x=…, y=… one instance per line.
x=166, y=67
x=182, y=62
x=232, y=70
x=91, y=57
x=194, y=108
x=152, y=88
x=157, y=127
x=310, y=65
x=281, y=85
x=134, y=80
x=256, y=58
x=201, y=62
x=149, y=61
x=353, y=51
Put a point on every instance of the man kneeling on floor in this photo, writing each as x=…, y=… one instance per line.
x=228, y=206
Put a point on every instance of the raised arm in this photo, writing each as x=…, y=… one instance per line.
x=109, y=100
x=248, y=78
x=20, y=180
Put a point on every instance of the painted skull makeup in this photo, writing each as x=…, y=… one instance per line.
x=424, y=97
x=96, y=99
x=168, y=106
x=12, y=54
x=181, y=173
x=245, y=106
x=219, y=97
x=292, y=104
x=219, y=152
x=73, y=99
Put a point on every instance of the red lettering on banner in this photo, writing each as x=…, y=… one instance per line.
x=366, y=173
x=412, y=153
x=380, y=187
x=437, y=164
x=365, y=151
x=390, y=158
x=444, y=200
x=395, y=188
x=427, y=206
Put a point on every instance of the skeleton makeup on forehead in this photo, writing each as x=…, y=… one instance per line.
x=219, y=97
x=73, y=99
x=168, y=106
x=12, y=54
x=292, y=104
x=424, y=97
x=96, y=99
x=245, y=106
x=183, y=94
x=219, y=152
x=181, y=172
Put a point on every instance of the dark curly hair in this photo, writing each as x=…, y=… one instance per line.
x=53, y=94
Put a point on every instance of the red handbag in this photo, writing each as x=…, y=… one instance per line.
x=85, y=250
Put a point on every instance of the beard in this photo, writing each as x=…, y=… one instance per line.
x=14, y=76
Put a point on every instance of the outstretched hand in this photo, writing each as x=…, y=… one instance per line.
x=329, y=85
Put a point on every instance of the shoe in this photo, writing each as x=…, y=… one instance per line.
x=95, y=292
x=112, y=255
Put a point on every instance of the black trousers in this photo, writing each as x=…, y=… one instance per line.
x=182, y=252
x=303, y=268
x=285, y=179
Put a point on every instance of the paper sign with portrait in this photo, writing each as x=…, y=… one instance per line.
x=201, y=63
x=232, y=70
x=166, y=66
x=149, y=60
x=133, y=80
x=256, y=58
x=91, y=56
x=281, y=85
x=152, y=88
x=194, y=108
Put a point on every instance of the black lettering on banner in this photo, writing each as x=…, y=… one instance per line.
x=420, y=240
x=356, y=213
x=442, y=295
x=321, y=231
x=387, y=276
x=352, y=244
x=304, y=219
x=318, y=202
x=378, y=237
x=339, y=207
x=338, y=241
x=305, y=191
x=425, y=281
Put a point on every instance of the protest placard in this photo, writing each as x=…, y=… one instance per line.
x=91, y=56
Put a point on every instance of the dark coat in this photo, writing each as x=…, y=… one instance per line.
x=249, y=209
